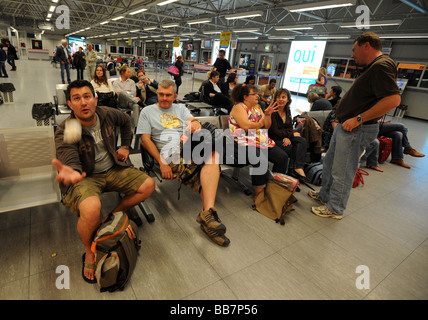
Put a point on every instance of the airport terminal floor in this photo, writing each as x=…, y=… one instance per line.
x=383, y=235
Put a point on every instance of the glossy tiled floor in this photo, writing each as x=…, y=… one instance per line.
x=385, y=228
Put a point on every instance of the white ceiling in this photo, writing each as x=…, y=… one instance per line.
x=30, y=15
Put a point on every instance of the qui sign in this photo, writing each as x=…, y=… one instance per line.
x=304, y=61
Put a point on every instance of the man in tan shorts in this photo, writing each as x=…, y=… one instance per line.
x=167, y=120
x=92, y=165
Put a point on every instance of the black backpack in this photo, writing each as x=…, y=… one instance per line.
x=42, y=111
x=192, y=96
x=313, y=172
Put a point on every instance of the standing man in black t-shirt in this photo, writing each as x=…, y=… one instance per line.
x=221, y=65
x=372, y=94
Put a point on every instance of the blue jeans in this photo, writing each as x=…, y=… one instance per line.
x=341, y=164
x=398, y=133
x=372, y=154
x=65, y=66
x=3, y=68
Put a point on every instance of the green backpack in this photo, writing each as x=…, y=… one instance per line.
x=115, y=246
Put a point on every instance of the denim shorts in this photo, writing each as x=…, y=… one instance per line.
x=126, y=180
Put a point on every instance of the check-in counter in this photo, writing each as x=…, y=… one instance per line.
x=38, y=54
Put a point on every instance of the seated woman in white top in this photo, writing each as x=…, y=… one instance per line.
x=104, y=88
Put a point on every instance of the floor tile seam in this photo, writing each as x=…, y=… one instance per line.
x=396, y=267
x=246, y=267
x=4, y=285
x=296, y=267
x=390, y=237
x=219, y=280
x=297, y=240
x=303, y=275
x=358, y=257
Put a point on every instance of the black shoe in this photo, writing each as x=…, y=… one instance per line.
x=63, y=82
x=298, y=176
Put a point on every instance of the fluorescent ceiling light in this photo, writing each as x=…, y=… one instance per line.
x=155, y=36
x=246, y=30
x=331, y=37
x=49, y=15
x=281, y=37
x=242, y=15
x=321, y=5
x=118, y=18
x=136, y=30
x=414, y=6
x=171, y=25
x=104, y=22
x=166, y=2
x=293, y=28
x=404, y=36
x=138, y=11
x=188, y=34
x=372, y=24
x=55, y=1
x=199, y=21
x=123, y=32
x=52, y=8
x=247, y=38
x=149, y=28
x=212, y=32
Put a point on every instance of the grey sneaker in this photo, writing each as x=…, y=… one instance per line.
x=315, y=195
x=219, y=239
x=211, y=221
x=325, y=212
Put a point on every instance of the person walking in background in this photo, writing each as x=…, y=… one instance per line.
x=221, y=65
x=79, y=62
x=179, y=64
x=11, y=55
x=91, y=62
x=3, y=58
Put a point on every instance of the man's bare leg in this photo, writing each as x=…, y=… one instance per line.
x=210, y=175
x=89, y=221
x=143, y=192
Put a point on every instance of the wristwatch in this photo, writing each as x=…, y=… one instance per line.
x=359, y=118
x=125, y=147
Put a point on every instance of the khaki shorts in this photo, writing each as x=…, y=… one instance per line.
x=126, y=180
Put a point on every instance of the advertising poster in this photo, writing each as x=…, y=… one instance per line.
x=304, y=61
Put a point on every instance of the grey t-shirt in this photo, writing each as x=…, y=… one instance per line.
x=165, y=126
x=103, y=159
